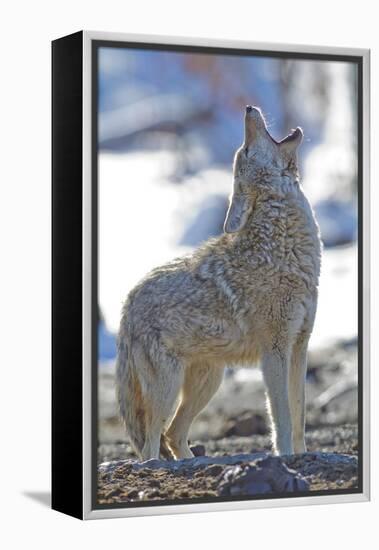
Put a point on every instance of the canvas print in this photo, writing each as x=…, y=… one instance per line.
x=227, y=361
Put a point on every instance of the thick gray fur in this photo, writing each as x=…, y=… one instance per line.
x=248, y=295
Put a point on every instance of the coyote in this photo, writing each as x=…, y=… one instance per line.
x=249, y=295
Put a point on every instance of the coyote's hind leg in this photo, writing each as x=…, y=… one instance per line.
x=148, y=387
x=162, y=389
x=200, y=383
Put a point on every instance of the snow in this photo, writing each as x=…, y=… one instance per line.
x=337, y=312
x=330, y=168
x=136, y=206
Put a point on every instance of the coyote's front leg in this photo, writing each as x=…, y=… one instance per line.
x=275, y=367
x=297, y=375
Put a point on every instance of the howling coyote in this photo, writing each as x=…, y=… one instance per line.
x=248, y=295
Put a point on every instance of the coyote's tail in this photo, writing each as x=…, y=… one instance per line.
x=129, y=396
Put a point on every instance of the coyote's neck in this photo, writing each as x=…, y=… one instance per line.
x=282, y=233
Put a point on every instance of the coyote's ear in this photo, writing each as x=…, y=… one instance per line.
x=290, y=143
x=238, y=213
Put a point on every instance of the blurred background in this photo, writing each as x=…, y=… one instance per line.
x=168, y=126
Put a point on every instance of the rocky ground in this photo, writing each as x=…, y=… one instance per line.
x=330, y=463
x=232, y=442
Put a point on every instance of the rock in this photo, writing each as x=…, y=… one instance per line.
x=268, y=475
x=198, y=450
x=208, y=222
x=246, y=424
x=325, y=467
x=117, y=467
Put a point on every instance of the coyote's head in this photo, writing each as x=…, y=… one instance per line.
x=261, y=165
